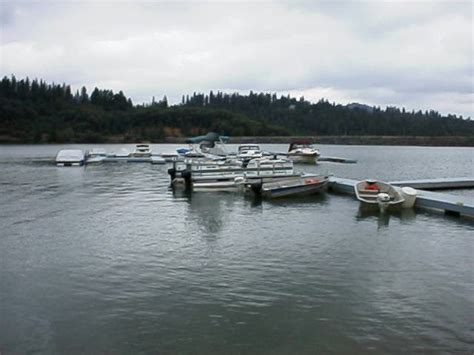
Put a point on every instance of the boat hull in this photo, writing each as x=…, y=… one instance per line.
x=95, y=160
x=302, y=185
x=63, y=164
x=304, y=158
x=295, y=191
x=374, y=206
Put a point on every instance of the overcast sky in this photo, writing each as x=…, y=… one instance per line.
x=417, y=55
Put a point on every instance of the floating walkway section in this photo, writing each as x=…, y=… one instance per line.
x=337, y=160
x=438, y=184
x=154, y=159
x=450, y=204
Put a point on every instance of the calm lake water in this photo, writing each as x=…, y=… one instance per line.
x=107, y=259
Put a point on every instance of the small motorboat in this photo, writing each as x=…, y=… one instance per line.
x=210, y=144
x=96, y=155
x=302, y=185
x=378, y=194
x=70, y=157
x=142, y=151
x=302, y=151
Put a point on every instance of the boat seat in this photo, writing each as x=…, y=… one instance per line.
x=373, y=196
x=368, y=196
x=370, y=192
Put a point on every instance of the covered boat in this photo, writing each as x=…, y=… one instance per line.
x=378, y=194
x=70, y=157
x=211, y=143
x=302, y=151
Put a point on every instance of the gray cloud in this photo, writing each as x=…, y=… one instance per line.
x=413, y=54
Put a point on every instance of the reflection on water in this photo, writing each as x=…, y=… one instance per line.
x=383, y=219
x=110, y=259
x=210, y=210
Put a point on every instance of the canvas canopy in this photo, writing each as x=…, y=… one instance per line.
x=210, y=137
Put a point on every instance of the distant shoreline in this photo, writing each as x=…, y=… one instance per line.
x=447, y=141
x=438, y=141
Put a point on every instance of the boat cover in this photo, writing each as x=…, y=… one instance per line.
x=299, y=142
x=182, y=151
x=210, y=137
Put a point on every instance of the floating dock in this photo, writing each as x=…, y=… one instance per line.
x=438, y=184
x=337, y=160
x=451, y=204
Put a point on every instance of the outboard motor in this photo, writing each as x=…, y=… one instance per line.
x=383, y=200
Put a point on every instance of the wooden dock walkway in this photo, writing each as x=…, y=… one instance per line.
x=451, y=204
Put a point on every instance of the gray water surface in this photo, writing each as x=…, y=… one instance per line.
x=108, y=259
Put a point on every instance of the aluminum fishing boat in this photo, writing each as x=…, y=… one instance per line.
x=378, y=194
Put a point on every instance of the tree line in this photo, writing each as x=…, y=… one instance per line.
x=33, y=111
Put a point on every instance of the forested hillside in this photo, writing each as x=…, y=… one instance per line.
x=38, y=112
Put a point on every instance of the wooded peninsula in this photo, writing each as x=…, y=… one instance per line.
x=38, y=112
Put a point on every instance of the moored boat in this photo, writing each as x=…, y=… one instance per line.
x=378, y=194
x=303, y=185
x=70, y=157
x=208, y=171
x=302, y=151
x=210, y=144
x=96, y=155
x=141, y=151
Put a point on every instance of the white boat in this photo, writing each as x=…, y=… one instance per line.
x=378, y=194
x=249, y=151
x=96, y=155
x=70, y=157
x=303, y=185
x=202, y=146
x=302, y=151
x=141, y=151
